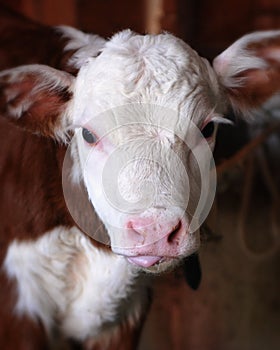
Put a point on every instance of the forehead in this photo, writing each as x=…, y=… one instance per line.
x=151, y=70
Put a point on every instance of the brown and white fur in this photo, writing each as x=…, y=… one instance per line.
x=59, y=287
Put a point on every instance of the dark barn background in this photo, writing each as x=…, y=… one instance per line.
x=237, y=306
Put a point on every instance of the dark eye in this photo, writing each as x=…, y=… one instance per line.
x=88, y=136
x=208, y=130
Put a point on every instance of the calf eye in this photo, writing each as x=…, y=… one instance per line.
x=208, y=130
x=88, y=136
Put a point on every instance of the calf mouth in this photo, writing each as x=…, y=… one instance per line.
x=153, y=264
x=145, y=260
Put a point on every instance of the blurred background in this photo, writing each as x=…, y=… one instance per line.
x=209, y=26
x=237, y=306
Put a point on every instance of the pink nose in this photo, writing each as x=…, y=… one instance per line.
x=155, y=236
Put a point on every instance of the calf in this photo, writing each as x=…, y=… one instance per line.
x=124, y=126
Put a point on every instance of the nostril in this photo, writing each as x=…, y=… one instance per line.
x=132, y=229
x=150, y=230
x=173, y=234
x=139, y=226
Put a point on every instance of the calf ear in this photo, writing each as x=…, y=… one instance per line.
x=37, y=98
x=250, y=69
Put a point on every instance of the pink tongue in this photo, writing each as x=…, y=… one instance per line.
x=144, y=261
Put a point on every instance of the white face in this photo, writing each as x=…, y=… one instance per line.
x=140, y=108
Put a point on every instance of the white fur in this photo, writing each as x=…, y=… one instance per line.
x=160, y=70
x=139, y=89
x=87, y=45
x=63, y=278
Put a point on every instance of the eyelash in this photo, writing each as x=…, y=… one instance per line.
x=89, y=137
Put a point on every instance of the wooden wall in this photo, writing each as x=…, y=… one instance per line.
x=217, y=23
x=209, y=26
x=51, y=12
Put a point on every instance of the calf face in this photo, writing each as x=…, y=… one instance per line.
x=145, y=113
x=145, y=163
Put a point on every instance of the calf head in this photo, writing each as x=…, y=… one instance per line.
x=145, y=113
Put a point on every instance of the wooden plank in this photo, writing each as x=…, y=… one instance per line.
x=108, y=17
x=51, y=12
x=153, y=16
